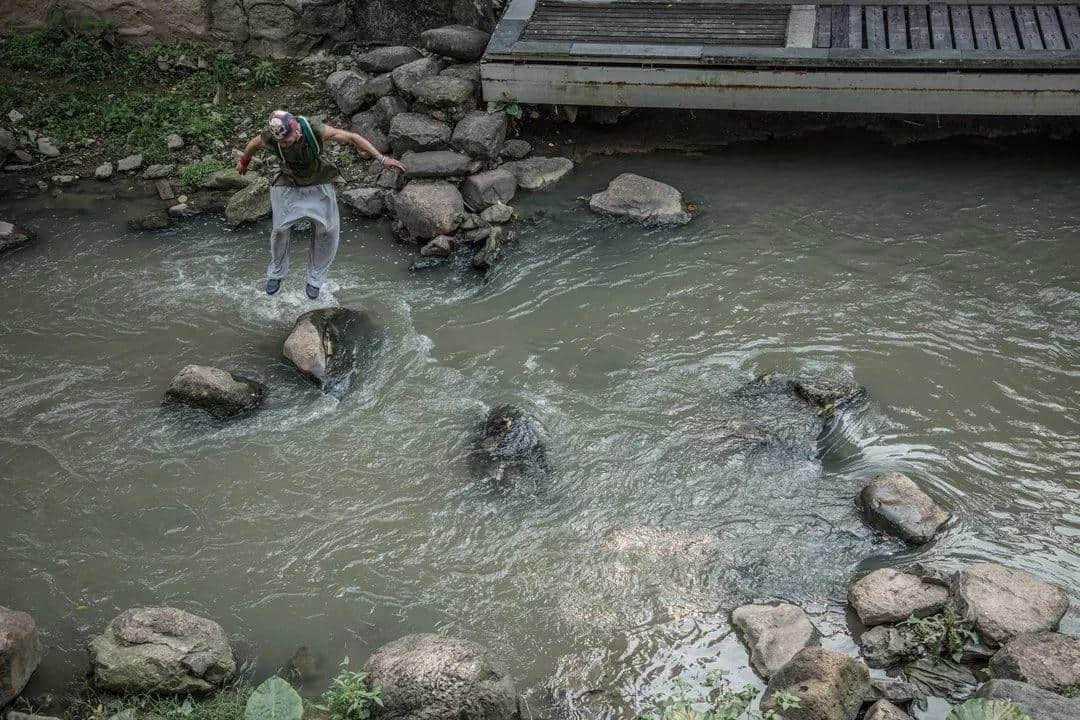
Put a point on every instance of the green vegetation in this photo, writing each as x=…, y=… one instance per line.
x=349, y=697
x=505, y=105
x=192, y=176
x=266, y=75
x=275, y=699
x=980, y=709
x=718, y=702
x=225, y=705
x=943, y=635
x=1071, y=691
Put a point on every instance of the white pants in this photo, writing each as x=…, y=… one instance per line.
x=316, y=203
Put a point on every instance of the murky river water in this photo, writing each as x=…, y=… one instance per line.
x=946, y=281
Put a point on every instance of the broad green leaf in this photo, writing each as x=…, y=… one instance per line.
x=274, y=700
x=980, y=709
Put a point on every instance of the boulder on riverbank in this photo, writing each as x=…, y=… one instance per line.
x=328, y=345
x=508, y=453
x=437, y=164
x=13, y=237
x=830, y=685
x=369, y=202
x=1038, y=703
x=1004, y=602
x=20, y=652
x=250, y=204
x=161, y=650
x=406, y=76
x=430, y=677
x=219, y=393
x=352, y=90
x=385, y=59
x=429, y=208
x=894, y=504
x=445, y=97
x=539, y=173
x=773, y=634
x=647, y=201
x=481, y=134
x=485, y=189
x=890, y=596
x=413, y=132
x=1048, y=660
x=459, y=42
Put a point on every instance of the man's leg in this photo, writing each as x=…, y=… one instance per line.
x=280, y=237
x=324, y=241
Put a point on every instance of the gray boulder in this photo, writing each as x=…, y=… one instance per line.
x=890, y=596
x=13, y=237
x=366, y=125
x=885, y=710
x=174, y=141
x=219, y=393
x=444, y=98
x=408, y=75
x=830, y=685
x=429, y=208
x=1003, y=602
x=429, y=677
x=497, y=214
x=227, y=180
x=484, y=189
x=352, y=90
x=156, y=172
x=894, y=504
x=386, y=108
x=104, y=171
x=130, y=163
x=161, y=650
x=1048, y=660
x=496, y=238
x=884, y=646
x=1038, y=703
x=437, y=164
x=331, y=345
x=481, y=134
x=539, y=173
x=47, y=147
x=415, y=132
x=20, y=652
x=465, y=71
x=369, y=202
x=8, y=144
x=773, y=634
x=250, y=204
x=441, y=246
x=516, y=149
x=385, y=59
x=647, y=201
x=459, y=42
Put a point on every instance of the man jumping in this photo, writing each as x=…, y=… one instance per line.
x=302, y=189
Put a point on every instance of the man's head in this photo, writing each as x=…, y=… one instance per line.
x=283, y=126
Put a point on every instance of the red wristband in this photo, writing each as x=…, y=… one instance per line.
x=244, y=162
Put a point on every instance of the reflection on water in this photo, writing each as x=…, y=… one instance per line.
x=944, y=281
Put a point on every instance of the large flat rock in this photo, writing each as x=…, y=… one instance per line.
x=889, y=596
x=642, y=199
x=1048, y=660
x=773, y=634
x=1004, y=602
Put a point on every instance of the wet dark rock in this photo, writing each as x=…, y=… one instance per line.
x=366, y=125
x=429, y=208
x=408, y=75
x=440, y=246
x=386, y=109
x=885, y=710
x=773, y=634
x=1038, y=703
x=157, y=220
x=385, y=59
x=20, y=652
x=889, y=596
x=331, y=345
x=303, y=665
x=481, y=134
x=428, y=263
x=830, y=685
x=369, y=202
x=888, y=645
x=497, y=214
x=516, y=149
x=485, y=189
x=13, y=237
x=459, y=42
x=437, y=164
x=161, y=650
x=508, y=453
x=352, y=90
x=429, y=677
x=1004, y=602
x=219, y=393
x=894, y=504
x=643, y=199
x=539, y=173
x=412, y=132
x=465, y=71
x=1048, y=660
x=894, y=690
x=496, y=239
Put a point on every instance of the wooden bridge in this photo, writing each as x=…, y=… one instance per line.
x=996, y=57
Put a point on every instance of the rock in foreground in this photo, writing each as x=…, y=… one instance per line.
x=1048, y=660
x=250, y=204
x=894, y=504
x=773, y=634
x=20, y=652
x=429, y=209
x=1004, y=602
x=1039, y=704
x=429, y=677
x=161, y=650
x=647, y=201
x=830, y=685
x=890, y=596
x=217, y=392
x=328, y=345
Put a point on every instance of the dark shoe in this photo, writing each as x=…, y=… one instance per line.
x=273, y=285
x=312, y=292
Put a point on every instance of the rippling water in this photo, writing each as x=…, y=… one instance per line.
x=943, y=280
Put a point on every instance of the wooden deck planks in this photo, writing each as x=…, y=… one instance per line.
x=896, y=22
x=1052, y=36
x=855, y=27
x=823, y=28
x=1005, y=25
x=1029, y=27
x=1070, y=23
x=985, y=39
x=940, y=29
x=918, y=27
x=840, y=27
x=963, y=35
x=875, y=27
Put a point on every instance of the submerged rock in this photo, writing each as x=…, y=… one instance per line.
x=1038, y=703
x=250, y=204
x=328, y=345
x=1003, y=602
x=161, y=650
x=459, y=42
x=430, y=677
x=1048, y=660
x=217, y=392
x=13, y=237
x=429, y=208
x=20, y=652
x=773, y=634
x=830, y=685
x=647, y=201
x=539, y=173
x=894, y=504
x=509, y=453
x=889, y=596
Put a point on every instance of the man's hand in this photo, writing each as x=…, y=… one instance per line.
x=389, y=162
x=242, y=164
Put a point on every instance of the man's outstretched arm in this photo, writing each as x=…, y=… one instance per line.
x=252, y=147
x=345, y=137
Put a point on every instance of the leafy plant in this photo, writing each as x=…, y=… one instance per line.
x=275, y=699
x=505, y=105
x=349, y=697
x=266, y=75
x=980, y=709
x=83, y=48
x=1071, y=691
x=194, y=174
x=719, y=702
x=942, y=635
